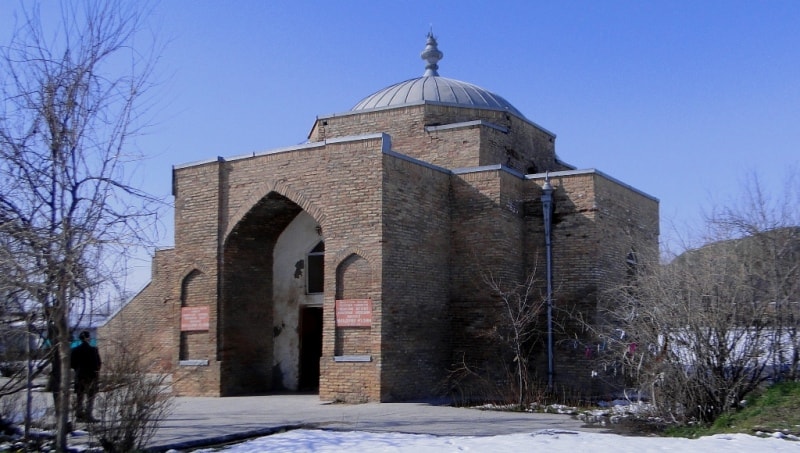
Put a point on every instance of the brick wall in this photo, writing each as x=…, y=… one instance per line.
x=488, y=232
x=149, y=325
x=197, y=206
x=354, y=381
x=596, y=222
x=514, y=142
x=575, y=268
x=416, y=269
x=627, y=223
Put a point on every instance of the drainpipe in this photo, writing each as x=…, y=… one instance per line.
x=547, y=206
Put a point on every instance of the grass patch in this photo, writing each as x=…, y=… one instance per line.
x=777, y=408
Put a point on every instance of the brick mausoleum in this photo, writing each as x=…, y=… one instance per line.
x=352, y=264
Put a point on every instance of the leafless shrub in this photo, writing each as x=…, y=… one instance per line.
x=513, y=330
x=490, y=382
x=519, y=328
x=132, y=402
x=700, y=333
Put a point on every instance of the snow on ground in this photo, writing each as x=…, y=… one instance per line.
x=303, y=440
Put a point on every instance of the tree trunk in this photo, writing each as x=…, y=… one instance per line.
x=63, y=407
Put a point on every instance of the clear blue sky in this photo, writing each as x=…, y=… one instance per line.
x=680, y=99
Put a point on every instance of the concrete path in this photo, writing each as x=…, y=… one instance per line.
x=197, y=421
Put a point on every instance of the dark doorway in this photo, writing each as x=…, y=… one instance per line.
x=310, y=347
x=246, y=307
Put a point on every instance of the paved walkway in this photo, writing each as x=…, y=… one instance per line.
x=199, y=421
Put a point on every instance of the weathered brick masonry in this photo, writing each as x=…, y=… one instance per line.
x=412, y=202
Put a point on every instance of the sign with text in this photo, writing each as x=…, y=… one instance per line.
x=354, y=313
x=194, y=318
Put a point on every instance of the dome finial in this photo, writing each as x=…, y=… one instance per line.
x=432, y=55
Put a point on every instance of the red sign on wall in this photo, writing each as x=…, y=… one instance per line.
x=194, y=318
x=354, y=313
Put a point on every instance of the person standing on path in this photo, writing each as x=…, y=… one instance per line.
x=85, y=360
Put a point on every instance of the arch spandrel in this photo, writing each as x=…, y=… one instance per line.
x=257, y=193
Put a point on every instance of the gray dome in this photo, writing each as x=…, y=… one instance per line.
x=432, y=88
x=435, y=89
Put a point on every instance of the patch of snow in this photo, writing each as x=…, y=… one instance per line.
x=318, y=441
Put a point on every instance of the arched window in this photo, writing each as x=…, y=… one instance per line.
x=189, y=292
x=315, y=263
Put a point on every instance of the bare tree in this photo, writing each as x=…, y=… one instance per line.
x=71, y=99
x=771, y=222
x=702, y=332
x=520, y=326
x=513, y=331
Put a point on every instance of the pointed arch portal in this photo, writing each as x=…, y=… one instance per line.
x=270, y=325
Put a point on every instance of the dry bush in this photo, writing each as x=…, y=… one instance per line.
x=490, y=381
x=132, y=402
x=512, y=334
x=699, y=334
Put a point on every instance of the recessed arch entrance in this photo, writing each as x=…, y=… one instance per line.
x=266, y=313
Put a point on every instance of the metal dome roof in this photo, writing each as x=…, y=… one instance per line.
x=433, y=88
